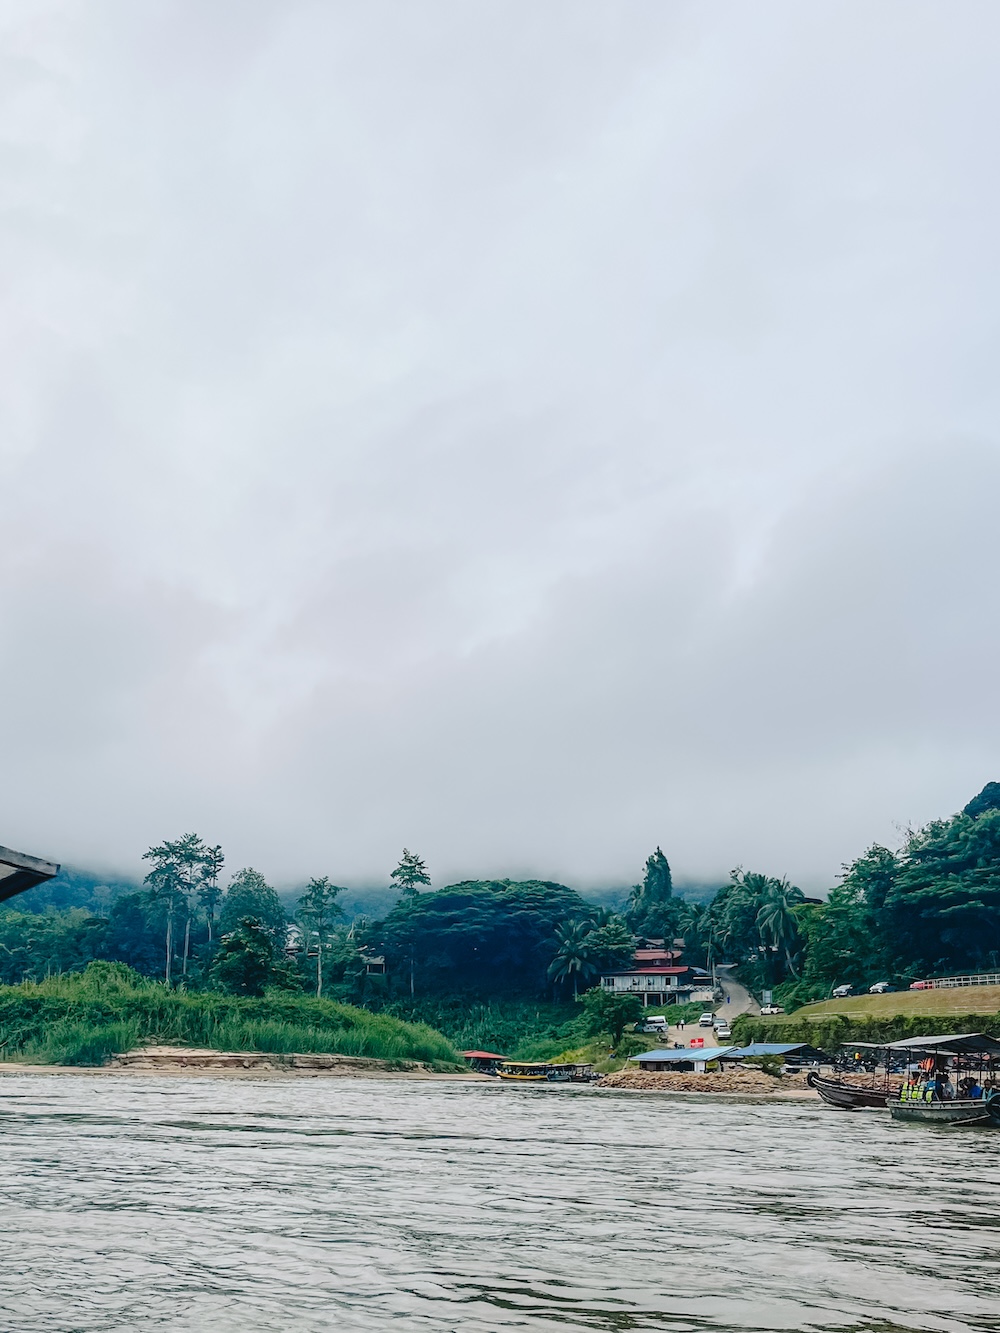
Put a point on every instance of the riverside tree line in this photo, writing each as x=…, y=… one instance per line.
x=931, y=906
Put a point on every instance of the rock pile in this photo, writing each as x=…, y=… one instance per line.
x=729, y=1080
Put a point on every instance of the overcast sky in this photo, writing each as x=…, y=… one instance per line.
x=526, y=431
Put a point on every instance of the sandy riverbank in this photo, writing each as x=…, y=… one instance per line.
x=185, y=1062
x=182, y=1061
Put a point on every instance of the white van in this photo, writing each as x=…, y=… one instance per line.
x=655, y=1023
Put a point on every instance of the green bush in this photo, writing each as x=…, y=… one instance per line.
x=828, y=1033
x=84, y=1017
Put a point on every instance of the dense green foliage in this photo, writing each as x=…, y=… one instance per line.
x=496, y=963
x=929, y=909
x=606, y=1011
x=249, y=894
x=492, y=937
x=83, y=1017
x=831, y=1032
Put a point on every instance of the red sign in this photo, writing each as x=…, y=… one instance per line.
x=697, y=1041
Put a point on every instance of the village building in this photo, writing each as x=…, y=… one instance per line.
x=658, y=975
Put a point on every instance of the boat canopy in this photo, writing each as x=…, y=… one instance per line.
x=969, y=1043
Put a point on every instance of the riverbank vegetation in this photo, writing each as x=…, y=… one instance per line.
x=499, y=964
x=85, y=1017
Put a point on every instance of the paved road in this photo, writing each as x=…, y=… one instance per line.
x=740, y=999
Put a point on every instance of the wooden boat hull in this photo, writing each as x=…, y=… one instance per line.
x=524, y=1078
x=992, y=1105
x=941, y=1113
x=847, y=1097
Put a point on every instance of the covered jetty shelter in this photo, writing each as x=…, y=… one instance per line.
x=19, y=871
x=484, y=1062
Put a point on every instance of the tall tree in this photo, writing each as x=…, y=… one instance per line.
x=318, y=911
x=574, y=958
x=652, y=908
x=776, y=920
x=209, y=893
x=176, y=873
x=410, y=872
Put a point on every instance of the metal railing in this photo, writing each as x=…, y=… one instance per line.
x=973, y=979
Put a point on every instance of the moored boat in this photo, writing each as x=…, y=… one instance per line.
x=958, y=1112
x=521, y=1071
x=929, y=1096
x=848, y=1096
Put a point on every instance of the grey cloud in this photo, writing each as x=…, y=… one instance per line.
x=527, y=433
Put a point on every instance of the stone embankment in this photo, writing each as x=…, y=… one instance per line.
x=751, y=1081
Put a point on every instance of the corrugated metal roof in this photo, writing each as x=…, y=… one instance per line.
x=687, y=1053
x=766, y=1048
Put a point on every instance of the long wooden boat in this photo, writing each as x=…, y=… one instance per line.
x=848, y=1096
x=522, y=1071
x=958, y=1112
x=942, y=1061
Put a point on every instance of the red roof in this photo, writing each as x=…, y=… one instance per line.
x=483, y=1055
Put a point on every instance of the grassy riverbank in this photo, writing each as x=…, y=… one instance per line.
x=84, y=1018
x=908, y=1003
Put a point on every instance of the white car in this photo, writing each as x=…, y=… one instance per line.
x=880, y=988
x=842, y=992
x=723, y=1030
x=772, y=1009
x=706, y=1020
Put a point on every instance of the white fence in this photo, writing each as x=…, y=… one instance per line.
x=978, y=979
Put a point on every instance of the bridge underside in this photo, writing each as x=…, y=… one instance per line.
x=19, y=872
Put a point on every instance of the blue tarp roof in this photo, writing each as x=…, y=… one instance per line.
x=764, y=1048
x=688, y=1053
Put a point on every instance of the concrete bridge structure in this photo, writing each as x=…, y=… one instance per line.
x=19, y=872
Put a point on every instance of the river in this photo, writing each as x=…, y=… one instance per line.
x=302, y=1204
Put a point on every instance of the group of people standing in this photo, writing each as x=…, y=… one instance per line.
x=936, y=1086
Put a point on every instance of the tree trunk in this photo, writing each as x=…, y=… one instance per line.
x=319, y=968
x=170, y=945
x=411, y=973
x=187, y=945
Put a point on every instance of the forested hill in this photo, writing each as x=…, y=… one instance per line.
x=929, y=907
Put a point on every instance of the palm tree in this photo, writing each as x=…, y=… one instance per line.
x=776, y=919
x=574, y=957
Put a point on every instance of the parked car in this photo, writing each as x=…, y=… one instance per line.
x=880, y=988
x=842, y=992
x=921, y=985
x=723, y=1030
x=655, y=1024
x=706, y=1020
x=772, y=1009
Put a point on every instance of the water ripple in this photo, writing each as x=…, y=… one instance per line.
x=188, y=1204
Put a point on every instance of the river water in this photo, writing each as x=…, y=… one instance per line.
x=301, y=1204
